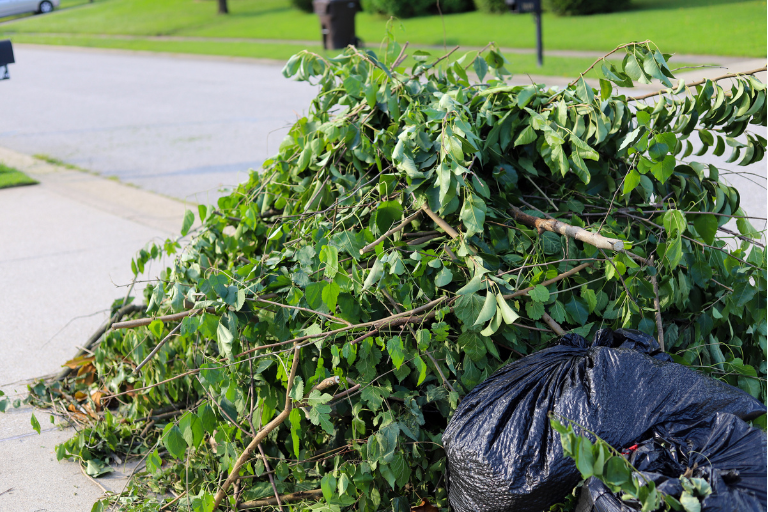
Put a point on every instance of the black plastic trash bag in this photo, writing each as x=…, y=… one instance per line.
x=723, y=450
x=504, y=456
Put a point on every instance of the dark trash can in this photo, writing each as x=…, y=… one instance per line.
x=337, y=22
x=6, y=57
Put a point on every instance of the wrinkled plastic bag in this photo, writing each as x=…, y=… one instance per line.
x=723, y=450
x=502, y=454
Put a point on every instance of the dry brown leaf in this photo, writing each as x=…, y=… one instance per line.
x=78, y=361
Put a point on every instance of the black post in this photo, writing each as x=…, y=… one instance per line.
x=539, y=44
x=532, y=7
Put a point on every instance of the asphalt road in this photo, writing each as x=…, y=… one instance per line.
x=183, y=127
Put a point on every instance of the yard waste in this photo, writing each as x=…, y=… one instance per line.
x=503, y=455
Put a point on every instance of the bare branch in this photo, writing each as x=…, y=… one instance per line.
x=700, y=82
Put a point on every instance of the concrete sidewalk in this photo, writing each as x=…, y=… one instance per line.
x=65, y=248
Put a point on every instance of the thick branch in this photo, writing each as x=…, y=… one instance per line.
x=700, y=82
x=552, y=324
x=287, y=498
x=439, y=221
x=556, y=226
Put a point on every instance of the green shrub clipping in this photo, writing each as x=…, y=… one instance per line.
x=333, y=310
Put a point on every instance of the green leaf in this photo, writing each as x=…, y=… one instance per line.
x=154, y=462
x=526, y=136
x=35, y=424
x=631, y=181
x=706, y=226
x=330, y=295
x=488, y=310
x=534, y=310
x=207, y=418
x=473, y=214
x=396, y=351
x=173, y=441
x=507, y=313
x=674, y=252
x=664, y=169
x=156, y=328
x=689, y=502
x=616, y=471
x=421, y=367
x=374, y=275
x=191, y=429
x=539, y=293
x=330, y=256
x=584, y=91
x=444, y=277
x=189, y=219
x=585, y=459
x=472, y=344
x=225, y=339
x=480, y=67
x=526, y=95
x=577, y=310
x=675, y=223
x=557, y=312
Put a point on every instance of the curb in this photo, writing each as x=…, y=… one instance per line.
x=108, y=195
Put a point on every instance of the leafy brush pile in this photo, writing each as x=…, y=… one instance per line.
x=414, y=233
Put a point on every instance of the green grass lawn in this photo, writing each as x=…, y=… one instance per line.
x=712, y=27
x=12, y=178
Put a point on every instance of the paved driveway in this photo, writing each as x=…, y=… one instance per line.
x=179, y=126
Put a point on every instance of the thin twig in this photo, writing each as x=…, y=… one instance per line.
x=700, y=82
x=331, y=317
x=434, y=63
x=542, y=192
x=125, y=310
x=89, y=477
x=548, y=282
x=657, y=305
x=416, y=340
x=400, y=58
x=157, y=348
x=271, y=478
x=391, y=231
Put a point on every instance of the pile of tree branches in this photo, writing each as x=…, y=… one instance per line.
x=415, y=232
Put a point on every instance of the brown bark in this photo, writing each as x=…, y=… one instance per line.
x=223, y=8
